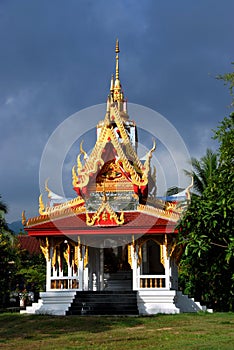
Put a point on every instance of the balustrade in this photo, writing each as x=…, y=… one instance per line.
x=64, y=283
x=152, y=281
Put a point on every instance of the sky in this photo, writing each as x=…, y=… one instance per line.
x=57, y=57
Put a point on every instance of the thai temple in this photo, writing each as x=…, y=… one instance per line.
x=112, y=249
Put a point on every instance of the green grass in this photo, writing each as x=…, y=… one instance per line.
x=183, y=331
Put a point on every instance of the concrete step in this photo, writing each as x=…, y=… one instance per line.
x=121, y=280
x=186, y=304
x=104, y=303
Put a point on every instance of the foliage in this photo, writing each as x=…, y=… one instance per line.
x=8, y=257
x=206, y=230
x=228, y=79
x=19, y=270
x=3, y=206
x=206, y=269
x=204, y=170
x=31, y=272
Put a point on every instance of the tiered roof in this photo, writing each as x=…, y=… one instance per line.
x=114, y=170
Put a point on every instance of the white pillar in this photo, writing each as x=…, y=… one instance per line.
x=167, y=273
x=135, y=269
x=80, y=274
x=101, y=268
x=48, y=274
x=69, y=266
x=54, y=272
x=85, y=270
x=86, y=278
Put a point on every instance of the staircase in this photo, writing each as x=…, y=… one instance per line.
x=186, y=304
x=104, y=303
x=120, y=280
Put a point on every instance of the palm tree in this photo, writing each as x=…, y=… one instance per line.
x=3, y=206
x=204, y=170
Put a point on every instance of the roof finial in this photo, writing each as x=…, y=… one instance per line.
x=117, y=46
x=117, y=59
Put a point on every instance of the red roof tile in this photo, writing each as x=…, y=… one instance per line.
x=135, y=223
x=31, y=244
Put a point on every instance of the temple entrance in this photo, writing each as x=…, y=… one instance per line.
x=152, y=259
x=117, y=271
x=116, y=259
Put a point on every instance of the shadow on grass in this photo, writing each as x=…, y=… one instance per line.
x=33, y=326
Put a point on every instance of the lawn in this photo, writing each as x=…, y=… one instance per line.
x=184, y=331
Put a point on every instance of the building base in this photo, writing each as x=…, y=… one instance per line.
x=154, y=302
x=149, y=302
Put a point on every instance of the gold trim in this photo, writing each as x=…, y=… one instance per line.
x=86, y=257
x=139, y=260
x=158, y=212
x=54, y=257
x=41, y=205
x=66, y=209
x=102, y=212
x=66, y=254
x=45, y=248
x=138, y=173
x=162, y=255
x=130, y=254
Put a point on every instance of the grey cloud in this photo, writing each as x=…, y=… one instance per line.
x=57, y=57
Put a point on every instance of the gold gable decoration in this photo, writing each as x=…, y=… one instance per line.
x=103, y=212
x=93, y=163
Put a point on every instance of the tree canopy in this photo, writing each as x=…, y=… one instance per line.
x=206, y=229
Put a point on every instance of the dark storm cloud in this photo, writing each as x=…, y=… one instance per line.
x=57, y=57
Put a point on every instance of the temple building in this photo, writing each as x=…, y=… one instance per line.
x=112, y=249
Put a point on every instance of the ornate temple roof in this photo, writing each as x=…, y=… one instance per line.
x=115, y=189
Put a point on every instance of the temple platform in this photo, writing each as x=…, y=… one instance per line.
x=144, y=302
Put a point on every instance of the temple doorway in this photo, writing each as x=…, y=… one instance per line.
x=116, y=259
x=152, y=259
x=117, y=271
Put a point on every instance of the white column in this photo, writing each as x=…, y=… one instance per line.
x=80, y=274
x=166, y=263
x=85, y=271
x=86, y=278
x=48, y=274
x=69, y=270
x=101, y=268
x=54, y=273
x=167, y=272
x=135, y=269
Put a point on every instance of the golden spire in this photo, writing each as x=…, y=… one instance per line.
x=117, y=95
x=117, y=59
